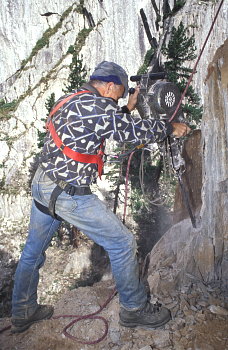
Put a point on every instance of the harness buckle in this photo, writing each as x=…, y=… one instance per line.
x=70, y=190
x=105, y=157
x=62, y=184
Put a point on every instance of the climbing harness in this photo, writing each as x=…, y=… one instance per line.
x=69, y=189
x=79, y=157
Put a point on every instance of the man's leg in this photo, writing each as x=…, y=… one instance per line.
x=99, y=223
x=24, y=302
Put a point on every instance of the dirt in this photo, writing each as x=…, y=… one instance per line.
x=193, y=328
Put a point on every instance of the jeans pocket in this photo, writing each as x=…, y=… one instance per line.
x=42, y=187
x=65, y=203
x=35, y=186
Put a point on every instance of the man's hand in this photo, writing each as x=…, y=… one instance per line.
x=132, y=100
x=180, y=129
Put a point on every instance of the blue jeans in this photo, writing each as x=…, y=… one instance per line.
x=93, y=218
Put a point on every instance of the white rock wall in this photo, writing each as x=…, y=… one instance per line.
x=118, y=35
x=21, y=25
x=198, y=16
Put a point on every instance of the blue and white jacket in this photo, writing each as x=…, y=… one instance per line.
x=82, y=123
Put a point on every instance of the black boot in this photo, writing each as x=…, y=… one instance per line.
x=43, y=312
x=150, y=316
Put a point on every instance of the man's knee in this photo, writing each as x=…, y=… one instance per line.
x=130, y=244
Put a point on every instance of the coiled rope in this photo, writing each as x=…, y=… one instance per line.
x=78, y=318
x=92, y=316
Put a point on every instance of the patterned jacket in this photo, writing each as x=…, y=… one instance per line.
x=82, y=123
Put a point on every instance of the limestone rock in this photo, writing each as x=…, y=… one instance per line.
x=161, y=338
x=78, y=260
x=218, y=310
x=202, y=252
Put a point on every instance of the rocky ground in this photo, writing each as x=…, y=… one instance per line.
x=199, y=322
x=199, y=312
x=66, y=267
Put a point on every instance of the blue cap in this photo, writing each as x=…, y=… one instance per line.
x=111, y=72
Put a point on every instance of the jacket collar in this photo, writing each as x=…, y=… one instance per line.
x=91, y=88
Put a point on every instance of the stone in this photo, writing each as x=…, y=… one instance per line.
x=114, y=335
x=177, y=334
x=78, y=260
x=179, y=323
x=218, y=310
x=171, y=306
x=161, y=338
x=190, y=320
x=200, y=317
x=184, y=303
x=193, y=308
x=167, y=301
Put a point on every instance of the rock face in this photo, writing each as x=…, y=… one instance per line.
x=215, y=129
x=192, y=178
x=184, y=253
x=35, y=63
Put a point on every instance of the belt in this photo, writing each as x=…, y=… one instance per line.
x=73, y=190
x=66, y=187
x=69, y=189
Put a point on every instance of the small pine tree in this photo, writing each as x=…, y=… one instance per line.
x=78, y=72
x=147, y=60
x=50, y=103
x=180, y=49
x=41, y=134
x=76, y=79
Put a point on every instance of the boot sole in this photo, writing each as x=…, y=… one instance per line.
x=144, y=326
x=21, y=329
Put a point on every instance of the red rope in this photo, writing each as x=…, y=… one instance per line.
x=5, y=329
x=196, y=64
x=92, y=316
x=126, y=186
x=84, y=317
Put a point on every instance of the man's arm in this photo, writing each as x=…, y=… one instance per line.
x=179, y=129
x=122, y=127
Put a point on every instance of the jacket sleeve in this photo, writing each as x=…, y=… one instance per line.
x=122, y=127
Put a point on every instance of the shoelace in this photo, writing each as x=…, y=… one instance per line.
x=151, y=308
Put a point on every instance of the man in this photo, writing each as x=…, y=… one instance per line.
x=78, y=127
